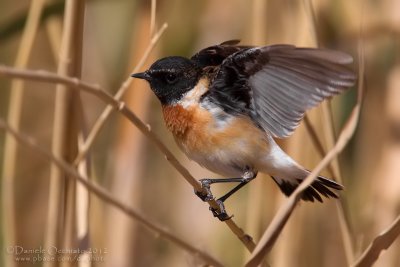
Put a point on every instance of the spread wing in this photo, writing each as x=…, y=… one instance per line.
x=275, y=85
x=216, y=54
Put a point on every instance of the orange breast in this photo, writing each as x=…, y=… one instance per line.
x=178, y=120
x=196, y=132
x=188, y=125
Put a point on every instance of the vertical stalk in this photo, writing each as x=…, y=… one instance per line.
x=61, y=215
x=257, y=187
x=14, y=117
x=330, y=138
x=153, y=17
x=129, y=151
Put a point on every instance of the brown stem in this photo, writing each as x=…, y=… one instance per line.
x=14, y=117
x=280, y=219
x=45, y=76
x=72, y=174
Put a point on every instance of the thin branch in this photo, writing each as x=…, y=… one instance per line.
x=75, y=83
x=311, y=14
x=387, y=237
x=316, y=142
x=66, y=129
x=280, y=219
x=45, y=76
x=330, y=137
x=15, y=108
x=60, y=224
x=104, y=195
x=382, y=242
x=107, y=111
x=256, y=194
x=153, y=16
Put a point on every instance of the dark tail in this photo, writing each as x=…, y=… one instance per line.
x=321, y=186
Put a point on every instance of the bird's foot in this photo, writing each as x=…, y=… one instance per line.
x=220, y=213
x=205, y=194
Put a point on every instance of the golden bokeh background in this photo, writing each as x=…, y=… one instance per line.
x=115, y=36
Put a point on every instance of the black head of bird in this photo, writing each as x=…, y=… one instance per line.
x=171, y=77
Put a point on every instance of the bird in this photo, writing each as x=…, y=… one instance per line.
x=227, y=104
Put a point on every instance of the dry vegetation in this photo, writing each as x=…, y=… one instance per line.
x=77, y=173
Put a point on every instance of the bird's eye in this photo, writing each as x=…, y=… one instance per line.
x=170, y=78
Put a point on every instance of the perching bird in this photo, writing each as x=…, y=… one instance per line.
x=226, y=104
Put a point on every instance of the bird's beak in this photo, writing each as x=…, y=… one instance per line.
x=141, y=75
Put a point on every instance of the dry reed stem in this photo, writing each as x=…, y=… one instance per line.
x=256, y=190
x=72, y=58
x=61, y=215
x=129, y=150
x=75, y=83
x=78, y=201
x=14, y=117
x=275, y=228
x=380, y=243
x=82, y=207
x=53, y=30
x=101, y=193
x=153, y=17
x=316, y=142
x=330, y=138
x=107, y=111
x=124, y=243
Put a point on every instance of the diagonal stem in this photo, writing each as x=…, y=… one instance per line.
x=15, y=108
x=334, y=167
x=98, y=125
x=73, y=174
x=77, y=84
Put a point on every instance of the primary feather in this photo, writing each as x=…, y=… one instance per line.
x=275, y=85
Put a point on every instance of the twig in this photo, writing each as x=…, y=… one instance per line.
x=14, y=116
x=330, y=137
x=275, y=228
x=129, y=140
x=107, y=111
x=67, y=124
x=153, y=16
x=53, y=27
x=317, y=142
x=103, y=194
x=45, y=76
x=256, y=191
x=380, y=243
x=311, y=14
x=344, y=226
x=61, y=215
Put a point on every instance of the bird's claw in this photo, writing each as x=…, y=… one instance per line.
x=220, y=213
x=205, y=194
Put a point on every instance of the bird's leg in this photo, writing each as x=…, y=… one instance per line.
x=220, y=213
x=234, y=190
x=206, y=183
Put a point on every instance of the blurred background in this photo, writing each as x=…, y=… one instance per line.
x=115, y=36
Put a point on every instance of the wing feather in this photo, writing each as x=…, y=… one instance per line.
x=216, y=54
x=278, y=83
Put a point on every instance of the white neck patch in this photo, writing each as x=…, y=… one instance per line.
x=193, y=96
